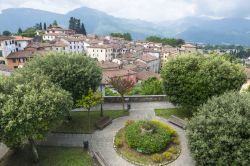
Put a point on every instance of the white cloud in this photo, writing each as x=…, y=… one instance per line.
x=157, y=10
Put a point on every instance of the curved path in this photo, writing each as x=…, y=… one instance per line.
x=102, y=141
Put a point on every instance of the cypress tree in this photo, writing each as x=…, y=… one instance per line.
x=83, y=30
x=20, y=31
x=44, y=26
x=40, y=26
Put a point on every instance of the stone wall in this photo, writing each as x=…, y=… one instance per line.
x=148, y=98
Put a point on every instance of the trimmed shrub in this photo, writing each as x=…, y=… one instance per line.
x=118, y=142
x=219, y=134
x=157, y=158
x=168, y=156
x=147, y=142
x=169, y=129
x=176, y=141
x=173, y=150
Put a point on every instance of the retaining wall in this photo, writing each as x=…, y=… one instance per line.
x=148, y=98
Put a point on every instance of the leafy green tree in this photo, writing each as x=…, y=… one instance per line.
x=30, y=105
x=75, y=73
x=40, y=26
x=83, y=30
x=6, y=33
x=126, y=36
x=44, y=26
x=190, y=80
x=92, y=99
x=219, y=133
x=20, y=31
x=55, y=23
x=122, y=86
x=75, y=24
x=29, y=32
x=166, y=41
x=152, y=86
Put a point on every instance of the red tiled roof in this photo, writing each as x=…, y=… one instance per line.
x=107, y=74
x=108, y=65
x=5, y=68
x=24, y=54
x=2, y=38
x=148, y=58
x=100, y=46
x=21, y=38
x=144, y=75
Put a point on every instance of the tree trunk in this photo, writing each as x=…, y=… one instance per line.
x=88, y=120
x=123, y=104
x=101, y=114
x=34, y=150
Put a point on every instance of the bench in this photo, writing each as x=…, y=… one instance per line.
x=100, y=159
x=177, y=121
x=103, y=122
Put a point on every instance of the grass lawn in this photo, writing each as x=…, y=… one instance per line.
x=179, y=112
x=49, y=156
x=79, y=122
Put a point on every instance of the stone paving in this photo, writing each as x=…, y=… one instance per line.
x=102, y=141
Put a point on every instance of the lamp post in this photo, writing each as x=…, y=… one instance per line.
x=101, y=87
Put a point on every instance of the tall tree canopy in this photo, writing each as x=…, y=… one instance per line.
x=219, y=134
x=166, y=41
x=190, y=80
x=44, y=26
x=20, y=31
x=122, y=86
x=83, y=30
x=126, y=36
x=30, y=105
x=6, y=33
x=75, y=24
x=29, y=32
x=54, y=23
x=152, y=86
x=75, y=73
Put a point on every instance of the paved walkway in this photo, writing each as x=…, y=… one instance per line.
x=102, y=141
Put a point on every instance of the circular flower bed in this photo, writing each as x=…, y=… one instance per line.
x=147, y=143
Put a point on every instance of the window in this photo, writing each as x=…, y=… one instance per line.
x=16, y=49
x=19, y=45
x=1, y=53
x=14, y=60
x=15, y=67
x=70, y=47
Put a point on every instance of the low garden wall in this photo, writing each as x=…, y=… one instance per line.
x=148, y=98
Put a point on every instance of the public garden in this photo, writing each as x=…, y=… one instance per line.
x=53, y=114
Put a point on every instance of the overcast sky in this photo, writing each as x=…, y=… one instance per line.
x=150, y=10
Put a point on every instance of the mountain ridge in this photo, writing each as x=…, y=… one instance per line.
x=191, y=29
